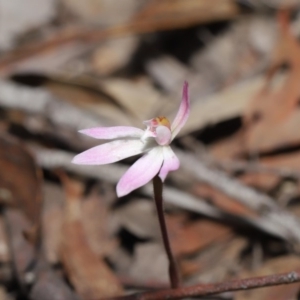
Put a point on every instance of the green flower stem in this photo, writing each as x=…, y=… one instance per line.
x=173, y=269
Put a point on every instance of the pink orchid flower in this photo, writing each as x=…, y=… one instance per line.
x=127, y=141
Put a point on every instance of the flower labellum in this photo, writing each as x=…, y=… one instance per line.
x=127, y=141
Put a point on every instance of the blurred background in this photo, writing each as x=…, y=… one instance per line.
x=233, y=207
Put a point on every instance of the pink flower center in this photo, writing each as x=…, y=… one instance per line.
x=160, y=129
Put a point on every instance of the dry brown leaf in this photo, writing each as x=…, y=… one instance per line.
x=216, y=262
x=188, y=237
x=290, y=161
x=139, y=98
x=30, y=268
x=182, y=13
x=89, y=274
x=260, y=180
x=267, y=180
x=113, y=55
x=22, y=180
x=18, y=190
x=272, y=117
x=271, y=169
x=88, y=97
x=23, y=252
x=95, y=218
x=52, y=221
x=5, y=255
x=103, y=12
x=158, y=15
x=24, y=190
x=62, y=60
x=286, y=135
x=221, y=200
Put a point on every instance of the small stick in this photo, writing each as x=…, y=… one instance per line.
x=215, y=288
x=173, y=269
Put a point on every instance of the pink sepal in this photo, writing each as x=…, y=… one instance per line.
x=183, y=112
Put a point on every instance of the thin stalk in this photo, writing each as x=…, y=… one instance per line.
x=173, y=269
x=204, y=290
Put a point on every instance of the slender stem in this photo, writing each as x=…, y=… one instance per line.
x=173, y=269
x=200, y=290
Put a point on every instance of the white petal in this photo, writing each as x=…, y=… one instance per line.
x=141, y=172
x=116, y=132
x=109, y=152
x=171, y=162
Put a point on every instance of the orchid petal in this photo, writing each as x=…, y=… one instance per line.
x=163, y=135
x=171, y=162
x=183, y=112
x=109, y=152
x=141, y=172
x=113, y=132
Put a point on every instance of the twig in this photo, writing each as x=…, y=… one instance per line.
x=216, y=288
x=173, y=268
